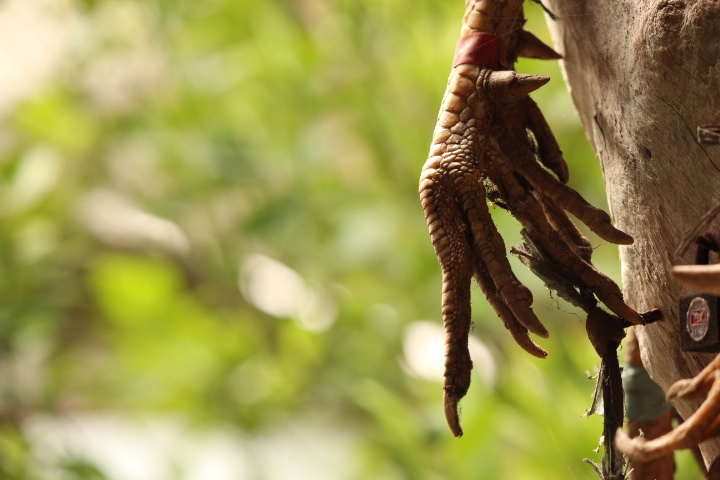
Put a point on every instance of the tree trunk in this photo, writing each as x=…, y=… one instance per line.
x=643, y=75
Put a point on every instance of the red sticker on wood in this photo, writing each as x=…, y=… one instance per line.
x=484, y=49
x=698, y=317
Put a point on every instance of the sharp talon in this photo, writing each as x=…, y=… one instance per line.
x=452, y=415
x=533, y=324
x=523, y=339
x=508, y=86
x=530, y=46
x=608, y=232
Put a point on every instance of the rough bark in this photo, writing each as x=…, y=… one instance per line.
x=643, y=75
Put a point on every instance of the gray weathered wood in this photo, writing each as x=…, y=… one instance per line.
x=643, y=75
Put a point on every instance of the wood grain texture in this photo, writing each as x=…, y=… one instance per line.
x=643, y=74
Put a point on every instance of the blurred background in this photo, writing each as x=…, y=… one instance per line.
x=213, y=260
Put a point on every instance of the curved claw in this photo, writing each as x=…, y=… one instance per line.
x=517, y=330
x=451, y=400
x=520, y=334
x=508, y=86
x=530, y=46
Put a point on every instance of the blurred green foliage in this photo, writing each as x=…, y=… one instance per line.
x=210, y=214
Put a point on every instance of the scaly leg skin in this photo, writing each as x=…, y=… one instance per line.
x=456, y=315
x=462, y=231
x=481, y=133
x=456, y=260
